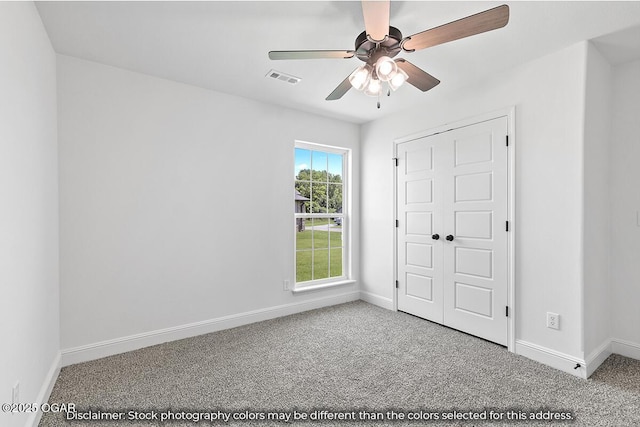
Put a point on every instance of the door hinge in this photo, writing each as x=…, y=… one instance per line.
x=397, y=223
x=506, y=311
x=395, y=161
x=397, y=284
x=506, y=226
x=507, y=138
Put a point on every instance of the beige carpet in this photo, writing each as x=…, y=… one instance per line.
x=352, y=361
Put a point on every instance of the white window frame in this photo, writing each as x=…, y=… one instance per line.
x=346, y=221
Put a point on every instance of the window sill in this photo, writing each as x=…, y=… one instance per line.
x=299, y=289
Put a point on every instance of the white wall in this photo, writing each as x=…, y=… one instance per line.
x=548, y=94
x=625, y=204
x=29, y=322
x=175, y=202
x=597, y=132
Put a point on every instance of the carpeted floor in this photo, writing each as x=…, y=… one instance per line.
x=353, y=360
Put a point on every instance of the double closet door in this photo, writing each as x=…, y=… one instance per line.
x=452, y=237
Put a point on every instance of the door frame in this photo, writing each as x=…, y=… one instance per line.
x=509, y=113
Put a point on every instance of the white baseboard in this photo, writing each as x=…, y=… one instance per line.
x=45, y=390
x=102, y=349
x=377, y=300
x=549, y=357
x=597, y=356
x=625, y=348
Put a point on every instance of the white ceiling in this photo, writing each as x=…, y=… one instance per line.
x=223, y=45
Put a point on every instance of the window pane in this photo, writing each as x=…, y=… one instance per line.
x=301, y=197
x=334, y=194
x=319, y=166
x=302, y=164
x=320, y=234
x=303, y=238
x=320, y=264
x=335, y=236
x=303, y=266
x=336, y=262
x=319, y=200
x=335, y=167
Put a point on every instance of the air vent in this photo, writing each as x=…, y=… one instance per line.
x=279, y=75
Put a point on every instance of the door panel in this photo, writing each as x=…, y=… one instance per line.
x=419, y=223
x=474, y=224
x=419, y=191
x=474, y=262
x=420, y=287
x=455, y=183
x=473, y=148
x=419, y=260
x=472, y=187
x=473, y=299
x=475, y=213
x=419, y=255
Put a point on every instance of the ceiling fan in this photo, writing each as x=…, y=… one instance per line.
x=379, y=43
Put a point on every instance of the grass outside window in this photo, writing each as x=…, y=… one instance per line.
x=318, y=254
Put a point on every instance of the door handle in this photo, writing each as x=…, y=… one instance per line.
x=449, y=237
x=435, y=236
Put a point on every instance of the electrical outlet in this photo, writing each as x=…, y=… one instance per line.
x=15, y=393
x=285, y=285
x=553, y=320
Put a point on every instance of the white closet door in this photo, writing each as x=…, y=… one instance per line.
x=419, y=216
x=454, y=184
x=475, y=215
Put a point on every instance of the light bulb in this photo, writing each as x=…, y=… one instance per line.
x=386, y=68
x=398, y=79
x=373, y=88
x=360, y=77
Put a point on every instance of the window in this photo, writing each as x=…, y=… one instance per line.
x=321, y=217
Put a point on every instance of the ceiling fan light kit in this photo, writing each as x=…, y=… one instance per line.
x=376, y=49
x=398, y=79
x=386, y=68
x=369, y=79
x=360, y=77
x=374, y=87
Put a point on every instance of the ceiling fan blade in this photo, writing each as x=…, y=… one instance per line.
x=417, y=77
x=488, y=20
x=311, y=54
x=338, y=92
x=376, y=19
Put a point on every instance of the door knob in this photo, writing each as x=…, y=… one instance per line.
x=449, y=237
x=435, y=236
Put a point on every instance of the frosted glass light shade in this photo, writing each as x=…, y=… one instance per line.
x=398, y=79
x=373, y=88
x=386, y=68
x=360, y=78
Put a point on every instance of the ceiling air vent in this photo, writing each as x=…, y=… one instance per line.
x=279, y=75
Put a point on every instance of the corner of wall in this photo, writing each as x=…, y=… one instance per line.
x=378, y=300
x=596, y=235
x=45, y=390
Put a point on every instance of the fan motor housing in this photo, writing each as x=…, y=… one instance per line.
x=369, y=51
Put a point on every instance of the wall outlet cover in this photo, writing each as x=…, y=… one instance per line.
x=553, y=320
